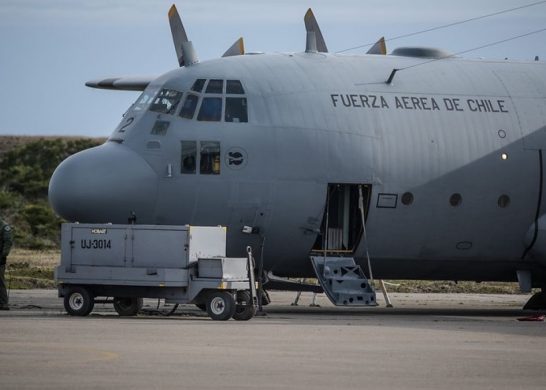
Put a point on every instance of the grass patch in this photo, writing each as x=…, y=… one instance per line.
x=442, y=286
x=448, y=286
x=28, y=269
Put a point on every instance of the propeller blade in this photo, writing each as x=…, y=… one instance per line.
x=315, y=41
x=379, y=47
x=237, y=49
x=132, y=83
x=184, y=49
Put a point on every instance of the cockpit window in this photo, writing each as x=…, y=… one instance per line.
x=198, y=85
x=144, y=100
x=234, y=87
x=229, y=101
x=211, y=110
x=215, y=86
x=166, y=101
x=188, y=109
x=236, y=110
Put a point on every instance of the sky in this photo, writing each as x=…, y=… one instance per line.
x=50, y=48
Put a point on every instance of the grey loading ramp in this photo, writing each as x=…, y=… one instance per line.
x=343, y=281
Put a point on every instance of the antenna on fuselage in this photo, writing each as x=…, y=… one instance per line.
x=391, y=77
x=185, y=52
x=315, y=41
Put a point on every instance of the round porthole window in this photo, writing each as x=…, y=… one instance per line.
x=455, y=200
x=504, y=201
x=407, y=198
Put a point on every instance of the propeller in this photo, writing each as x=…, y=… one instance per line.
x=315, y=41
x=237, y=49
x=379, y=47
x=185, y=52
x=187, y=56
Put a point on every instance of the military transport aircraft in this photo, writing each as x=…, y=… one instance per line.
x=413, y=165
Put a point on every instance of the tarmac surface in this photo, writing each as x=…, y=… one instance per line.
x=427, y=341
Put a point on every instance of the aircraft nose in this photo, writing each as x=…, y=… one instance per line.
x=104, y=184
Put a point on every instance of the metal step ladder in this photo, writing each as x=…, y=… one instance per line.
x=343, y=281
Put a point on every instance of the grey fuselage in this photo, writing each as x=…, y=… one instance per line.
x=454, y=126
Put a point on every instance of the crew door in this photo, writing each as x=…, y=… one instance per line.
x=341, y=229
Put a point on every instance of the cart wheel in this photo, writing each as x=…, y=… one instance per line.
x=79, y=301
x=127, y=307
x=220, y=306
x=245, y=309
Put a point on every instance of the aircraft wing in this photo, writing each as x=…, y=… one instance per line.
x=122, y=83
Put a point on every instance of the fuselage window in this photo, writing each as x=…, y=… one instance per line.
x=407, y=198
x=198, y=85
x=504, y=201
x=211, y=109
x=166, y=101
x=210, y=158
x=234, y=87
x=188, y=108
x=189, y=157
x=236, y=110
x=160, y=127
x=455, y=200
x=215, y=86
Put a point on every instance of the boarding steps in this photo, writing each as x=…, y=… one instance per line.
x=343, y=281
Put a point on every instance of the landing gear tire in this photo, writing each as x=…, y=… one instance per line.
x=127, y=307
x=220, y=306
x=244, y=309
x=79, y=301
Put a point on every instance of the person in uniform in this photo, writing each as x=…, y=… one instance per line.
x=6, y=240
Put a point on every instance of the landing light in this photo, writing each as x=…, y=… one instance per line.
x=504, y=156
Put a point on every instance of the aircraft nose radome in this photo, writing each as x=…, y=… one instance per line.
x=104, y=184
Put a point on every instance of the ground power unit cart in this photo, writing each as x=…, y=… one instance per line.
x=180, y=264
